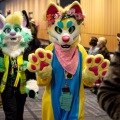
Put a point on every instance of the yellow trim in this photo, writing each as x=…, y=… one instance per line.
x=86, y=83
x=47, y=107
x=43, y=82
x=50, y=47
x=6, y=62
x=4, y=78
x=19, y=73
x=17, y=78
x=81, y=104
x=23, y=82
x=19, y=62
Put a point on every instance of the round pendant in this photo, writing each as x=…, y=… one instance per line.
x=68, y=75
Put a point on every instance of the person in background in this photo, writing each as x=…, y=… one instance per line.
x=102, y=49
x=35, y=42
x=101, y=44
x=93, y=49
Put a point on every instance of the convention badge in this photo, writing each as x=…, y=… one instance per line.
x=68, y=75
x=66, y=99
x=14, y=63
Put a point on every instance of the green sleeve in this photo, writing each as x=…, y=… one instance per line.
x=2, y=66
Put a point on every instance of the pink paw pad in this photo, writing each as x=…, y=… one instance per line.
x=104, y=73
x=89, y=60
x=49, y=56
x=33, y=67
x=104, y=65
x=97, y=60
x=94, y=69
x=34, y=58
x=40, y=54
x=43, y=64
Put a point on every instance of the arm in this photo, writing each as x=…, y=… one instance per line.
x=31, y=84
x=109, y=91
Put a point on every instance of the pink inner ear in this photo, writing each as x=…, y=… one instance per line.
x=77, y=9
x=52, y=10
x=24, y=22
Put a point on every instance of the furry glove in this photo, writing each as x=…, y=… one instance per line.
x=96, y=67
x=40, y=62
x=32, y=88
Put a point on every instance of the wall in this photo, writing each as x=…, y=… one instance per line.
x=102, y=18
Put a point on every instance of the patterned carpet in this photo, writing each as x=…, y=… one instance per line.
x=33, y=108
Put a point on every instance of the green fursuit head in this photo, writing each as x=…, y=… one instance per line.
x=14, y=38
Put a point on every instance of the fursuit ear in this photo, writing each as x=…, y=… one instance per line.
x=76, y=5
x=25, y=19
x=2, y=21
x=78, y=11
x=51, y=9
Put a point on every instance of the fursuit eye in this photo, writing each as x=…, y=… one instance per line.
x=58, y=30
x=7, y=30
x=17, y=29
x=71, y=29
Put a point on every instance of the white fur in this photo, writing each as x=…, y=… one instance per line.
x=32, y=85
x=13, y=48
x=25, y=29
x=13, y=53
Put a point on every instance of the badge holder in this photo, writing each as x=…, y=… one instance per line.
x=66, y=98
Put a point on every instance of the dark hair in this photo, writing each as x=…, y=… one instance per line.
x=93, y=41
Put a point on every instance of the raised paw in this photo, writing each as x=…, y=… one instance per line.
x=39, y=60
x=96, y=65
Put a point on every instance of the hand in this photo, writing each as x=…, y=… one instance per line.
x=96, y=67
x=40, y=62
